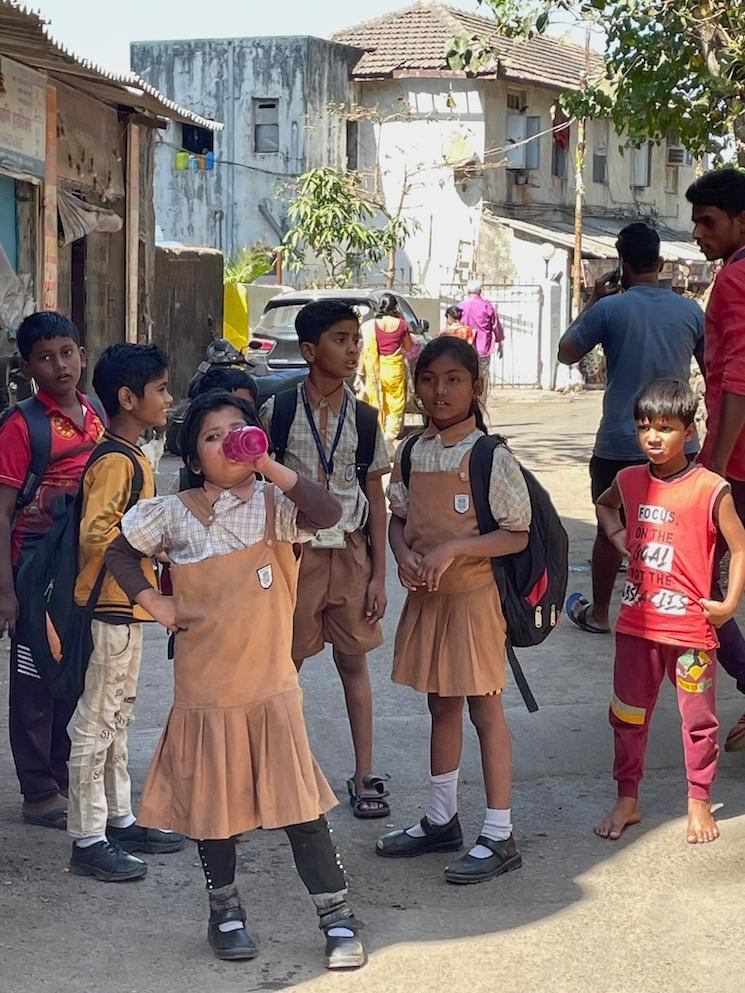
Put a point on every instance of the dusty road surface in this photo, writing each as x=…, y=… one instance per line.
x=647, y=914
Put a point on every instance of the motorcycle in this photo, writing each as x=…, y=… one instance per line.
x=220, y=353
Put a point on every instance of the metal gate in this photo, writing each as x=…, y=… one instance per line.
x=519, y=307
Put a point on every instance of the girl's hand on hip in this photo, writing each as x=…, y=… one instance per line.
x=408, y=571
x=434, y=564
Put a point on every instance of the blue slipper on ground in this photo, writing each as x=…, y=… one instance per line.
x=577, y=606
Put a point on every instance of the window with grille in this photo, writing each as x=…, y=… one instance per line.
x=266, y=125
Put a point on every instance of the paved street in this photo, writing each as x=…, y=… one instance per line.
x=648, y=913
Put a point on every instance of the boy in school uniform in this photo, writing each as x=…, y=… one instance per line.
x=70, y=427
x=132, y=383
x=675, y=510
x=341, y=591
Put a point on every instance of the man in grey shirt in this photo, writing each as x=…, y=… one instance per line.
x=647, y=333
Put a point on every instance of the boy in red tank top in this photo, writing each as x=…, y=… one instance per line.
x=674, y=511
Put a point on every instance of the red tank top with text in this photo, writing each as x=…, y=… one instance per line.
x=671, y=537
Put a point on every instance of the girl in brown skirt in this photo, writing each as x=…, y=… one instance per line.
x=451, y=636
x=235, y=753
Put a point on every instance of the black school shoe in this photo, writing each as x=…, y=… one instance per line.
x=107, y=861
x=345, y=952
x=237, y=944
x=141, y=839
x=469, y=869
x=437, y=838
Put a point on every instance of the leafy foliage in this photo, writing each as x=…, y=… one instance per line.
x=248, y=264
x=670, y=65
x=334, y=216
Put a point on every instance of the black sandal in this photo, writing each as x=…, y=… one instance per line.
x=374, y=792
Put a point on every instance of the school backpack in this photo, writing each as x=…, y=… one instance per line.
x=366, y=421
x=55, y=629
x=35, y=415
x=532, y=583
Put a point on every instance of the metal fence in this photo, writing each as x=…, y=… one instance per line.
x=520, y=309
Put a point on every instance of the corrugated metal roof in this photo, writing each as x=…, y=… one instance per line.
x=415, y=39
x=25, y=37
x=599, y=238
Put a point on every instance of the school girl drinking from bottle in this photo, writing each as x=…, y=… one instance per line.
x=451, y=636
x=235, y=753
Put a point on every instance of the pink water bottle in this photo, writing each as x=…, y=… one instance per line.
x=245, y=444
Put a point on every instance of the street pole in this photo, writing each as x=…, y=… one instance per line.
x=579, y=196
x=579, y=182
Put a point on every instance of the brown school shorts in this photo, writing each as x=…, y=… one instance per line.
x=331, y=600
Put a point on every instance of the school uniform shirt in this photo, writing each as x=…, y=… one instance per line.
x=107, y=488
x=443, y=451
x=165, y=524
x=71, y=447
x=302, y=454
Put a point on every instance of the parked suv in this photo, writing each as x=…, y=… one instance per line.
x=274, y=340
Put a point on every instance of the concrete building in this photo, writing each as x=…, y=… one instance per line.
x=76, y=170
x=273, y=95
x=486, y=163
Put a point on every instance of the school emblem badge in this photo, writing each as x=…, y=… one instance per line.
x=462, y=502
x=266, y=576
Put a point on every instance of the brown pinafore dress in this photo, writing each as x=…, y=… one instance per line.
x=450, y=642
x=234, y=754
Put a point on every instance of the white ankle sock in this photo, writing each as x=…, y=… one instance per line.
x=230, y=926
x=340, y=932
x=497, y=827
x=442, y=804
x=127, y=820
x=92, y=839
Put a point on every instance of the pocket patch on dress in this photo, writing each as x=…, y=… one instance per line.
x=266, y=576
x=462, y=502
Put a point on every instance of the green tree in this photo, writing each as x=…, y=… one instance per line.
x=334, y=216
x=248, y=264
x=670, y=65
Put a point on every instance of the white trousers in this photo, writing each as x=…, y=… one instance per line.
x=100, y=787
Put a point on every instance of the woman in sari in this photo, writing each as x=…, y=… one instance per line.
x=386, y=344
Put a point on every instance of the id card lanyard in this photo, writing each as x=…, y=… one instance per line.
x=327, y=461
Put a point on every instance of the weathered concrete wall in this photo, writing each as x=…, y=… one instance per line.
x=426, y=121
x=244, y=199
x=188, y=296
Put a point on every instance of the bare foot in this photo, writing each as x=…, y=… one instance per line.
x=702, y=827
x=625, y=812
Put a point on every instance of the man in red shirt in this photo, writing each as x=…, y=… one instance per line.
x=50, y=348
x=718, y=200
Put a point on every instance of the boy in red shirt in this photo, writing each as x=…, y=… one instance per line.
x=49, y=344
x=718, y=213
x=675, y=511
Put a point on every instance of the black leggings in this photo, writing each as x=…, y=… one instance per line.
x=315, y=857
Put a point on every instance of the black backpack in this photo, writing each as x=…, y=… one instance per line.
x=35, y=415
x=55, y=629
x=532, y=583
x=366, y=421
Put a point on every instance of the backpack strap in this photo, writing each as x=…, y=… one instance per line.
x=479, y=469
x=112, y=445
x=406, y=448
x=283, y=414
x=366, y=422
x=106, y=448
x=34, y=413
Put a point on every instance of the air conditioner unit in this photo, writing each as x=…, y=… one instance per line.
x=675, y=155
